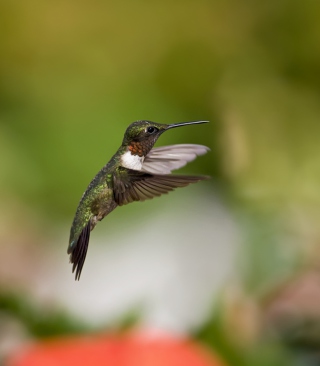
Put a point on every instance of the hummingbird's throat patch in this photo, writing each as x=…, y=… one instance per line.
x=136, y=148
x=133, y=158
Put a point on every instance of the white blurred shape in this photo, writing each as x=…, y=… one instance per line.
x=171, y=265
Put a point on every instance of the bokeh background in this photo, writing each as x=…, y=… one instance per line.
x=231, y=263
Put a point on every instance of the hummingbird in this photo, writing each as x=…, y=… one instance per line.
x=136, y=172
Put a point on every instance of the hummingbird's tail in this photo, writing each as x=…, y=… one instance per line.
x=78, y=250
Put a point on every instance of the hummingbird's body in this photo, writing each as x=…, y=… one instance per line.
x=135, y=173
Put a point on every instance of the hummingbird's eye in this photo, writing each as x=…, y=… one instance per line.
x=152, y=129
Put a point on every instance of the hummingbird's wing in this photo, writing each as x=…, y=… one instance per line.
x=164, y=159
x=133, y=185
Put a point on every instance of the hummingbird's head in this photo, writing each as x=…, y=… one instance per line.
x=140, y=136
x=143, y=132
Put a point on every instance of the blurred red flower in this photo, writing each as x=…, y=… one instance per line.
x=115, y=350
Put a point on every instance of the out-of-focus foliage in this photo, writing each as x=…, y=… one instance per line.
x=39, y=322
x=50, y=322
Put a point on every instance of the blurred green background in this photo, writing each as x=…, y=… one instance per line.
x=74, y=75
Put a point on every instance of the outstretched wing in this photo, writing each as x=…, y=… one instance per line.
x=164, y=159
x=132, y=185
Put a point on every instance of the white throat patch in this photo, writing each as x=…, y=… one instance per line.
x=130, y=161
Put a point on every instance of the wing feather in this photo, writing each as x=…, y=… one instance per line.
x=164, y=159
x=140, y=186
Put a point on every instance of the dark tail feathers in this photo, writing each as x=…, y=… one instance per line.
x=78, y=251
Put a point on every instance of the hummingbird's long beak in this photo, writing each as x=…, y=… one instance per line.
x=185, y=124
